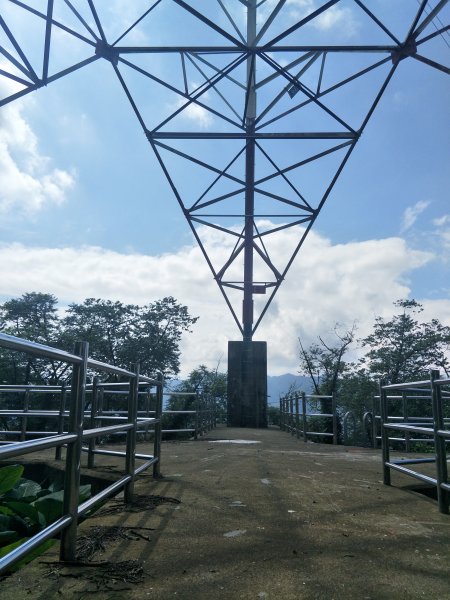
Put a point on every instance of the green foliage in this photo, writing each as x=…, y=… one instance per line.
x=26, y=508
x=9, y=476
x=402, y=349
x=273, y=415
x=29, y=557
x=211, y=383
x=356, y=391
x=120, y=334
x=399, y=349
x=324, y=362
x=33, y=317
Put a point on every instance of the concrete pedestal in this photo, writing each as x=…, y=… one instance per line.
x=247, y=384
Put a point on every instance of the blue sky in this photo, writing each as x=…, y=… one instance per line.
x=85, y=210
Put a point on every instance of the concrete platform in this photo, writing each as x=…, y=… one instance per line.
x=267, y=517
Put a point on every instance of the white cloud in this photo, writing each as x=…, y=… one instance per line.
x=199, y=115
x=194, y=112
x=443, y=231
x=440, y=221
x=29, y=181
x=327, y=284
x=333, y=17
x=411, y=214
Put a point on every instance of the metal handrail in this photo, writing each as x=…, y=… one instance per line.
x=80, y=362
x=294, y=421
x=439, y=436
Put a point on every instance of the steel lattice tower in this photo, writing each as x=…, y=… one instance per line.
x=279, y=103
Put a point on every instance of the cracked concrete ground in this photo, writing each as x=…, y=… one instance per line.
x=262, y=515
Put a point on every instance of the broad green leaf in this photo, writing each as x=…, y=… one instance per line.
x=5, y=511
x=26, y=490
x=5, y=523
x=50, y=508
x=85, y=492
x=9, y=475
x=23, y=509
x=6, y=537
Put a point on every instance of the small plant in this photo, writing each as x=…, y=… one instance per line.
x=26, y=508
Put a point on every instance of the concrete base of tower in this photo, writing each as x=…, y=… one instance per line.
x=247, y=384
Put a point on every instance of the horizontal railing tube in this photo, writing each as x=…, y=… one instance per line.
x=19, y=448
x=34, y=542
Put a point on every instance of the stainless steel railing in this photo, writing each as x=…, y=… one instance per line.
x=197, y=421
x=297, y=422
x=437, y=430
x=76, y=434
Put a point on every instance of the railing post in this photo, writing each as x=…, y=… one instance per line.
x=291, y=415
x=405, y=420
x=305, y=435
x=26, y=408
x=384, y=435
x=158, y=426
x=92, y=423
x=147, y=413
x=335, y=419
x=131, y=435
x=297, y=416
x=62, y=408
x=439, y=444
x=197, y=416
x=73, y=455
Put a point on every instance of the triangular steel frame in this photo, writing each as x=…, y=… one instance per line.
x=232, y=67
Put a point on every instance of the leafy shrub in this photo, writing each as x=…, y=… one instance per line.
x=26, y=508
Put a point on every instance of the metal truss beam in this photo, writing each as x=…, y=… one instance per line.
x=255, y=85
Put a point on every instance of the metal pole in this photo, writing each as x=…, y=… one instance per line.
x=291, y=415
x=26, y=407
x=439, y=444
x=250, y=116
x=405, y=420
x=94, y=408
x=384, y=435
x=305, y=436
x=335, y=420
x=73, y=456
x=158, y=426
x=197, y=416
x=62, y=408
x=147, y=414
x=297, y=417
x=131, y=435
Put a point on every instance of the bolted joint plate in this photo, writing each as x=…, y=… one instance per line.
x=107, y=52
x=409, y=48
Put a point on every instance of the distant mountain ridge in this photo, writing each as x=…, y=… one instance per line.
x=278, y=385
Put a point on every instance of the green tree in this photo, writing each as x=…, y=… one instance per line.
x=156, y=336
x=122, y=334
x=34, y=317
x=119, y=334
x=403, y=349
x=325, y=365
x=324, y=361
x=211, y=383
x=105, y=324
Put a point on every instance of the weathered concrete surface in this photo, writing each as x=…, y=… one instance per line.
x=277, y=519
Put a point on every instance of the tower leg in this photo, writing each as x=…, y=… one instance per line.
x=247, y=384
